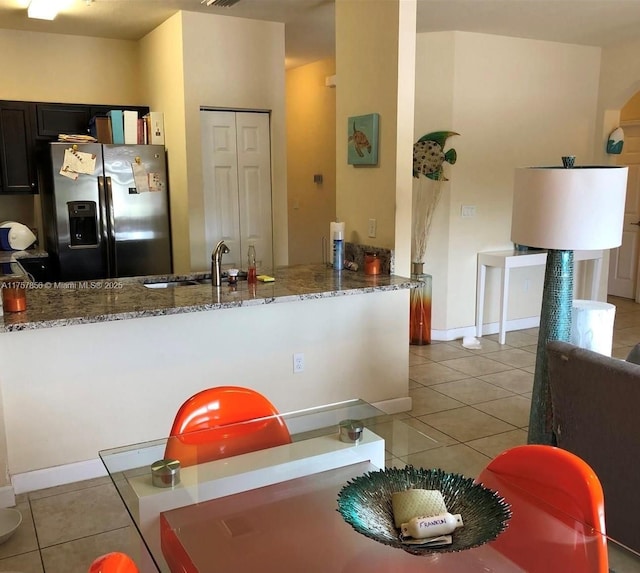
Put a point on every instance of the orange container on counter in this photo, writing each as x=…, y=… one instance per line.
x=14, y=294
x=372, y=264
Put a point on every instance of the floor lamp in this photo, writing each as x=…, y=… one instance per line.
x=563, y=209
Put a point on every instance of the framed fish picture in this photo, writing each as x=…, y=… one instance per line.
x=362, y=145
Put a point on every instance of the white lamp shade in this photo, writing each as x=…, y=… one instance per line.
x=580, y=208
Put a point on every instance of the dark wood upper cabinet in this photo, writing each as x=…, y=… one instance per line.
x=26, y=128
x=18, y=174
x=54, y=119
x=73, y=119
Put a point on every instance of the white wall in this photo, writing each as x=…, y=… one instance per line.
x=515, y=103
x=233, y=63
x=116, y=383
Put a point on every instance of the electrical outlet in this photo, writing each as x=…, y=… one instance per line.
x=298, y=362
x=373, y=224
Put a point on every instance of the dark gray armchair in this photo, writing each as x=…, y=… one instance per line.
x=596, y=409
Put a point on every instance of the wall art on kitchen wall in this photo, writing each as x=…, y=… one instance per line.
x=362, y=147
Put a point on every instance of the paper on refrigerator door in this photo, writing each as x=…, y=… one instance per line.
x=140, y=177
x=77, y=162
x=155, y=182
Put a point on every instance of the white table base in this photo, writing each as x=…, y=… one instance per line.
x=507, y=260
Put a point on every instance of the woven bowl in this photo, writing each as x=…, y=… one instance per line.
x=365, y=504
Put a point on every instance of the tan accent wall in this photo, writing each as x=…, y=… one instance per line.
x=311, y=149
x=69, y=69
x=163, y=82
x=367, y=65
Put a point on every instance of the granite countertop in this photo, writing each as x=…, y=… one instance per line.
x=64, y=304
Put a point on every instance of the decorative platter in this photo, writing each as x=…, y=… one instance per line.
x=365, y=504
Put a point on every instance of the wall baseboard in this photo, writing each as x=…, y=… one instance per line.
x=487, y=328
x=80, y=471
x=58, y=475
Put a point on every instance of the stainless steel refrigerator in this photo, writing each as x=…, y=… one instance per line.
x=110, y=218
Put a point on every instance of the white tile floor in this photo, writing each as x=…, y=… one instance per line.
x=469, y=405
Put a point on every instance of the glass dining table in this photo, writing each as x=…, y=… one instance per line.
x=276, y=509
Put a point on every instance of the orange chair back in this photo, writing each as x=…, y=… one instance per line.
x=222, y=422
x=113, y=563
x=527, y=476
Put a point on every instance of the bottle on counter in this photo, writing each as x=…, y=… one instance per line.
x=252, y=272
x=338, y=250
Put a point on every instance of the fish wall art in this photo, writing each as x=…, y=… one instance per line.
x=362, y=139
x=429, y=155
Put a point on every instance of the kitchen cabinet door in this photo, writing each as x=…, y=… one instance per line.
x=54, y=119
x=236, y=166
x=18, y=173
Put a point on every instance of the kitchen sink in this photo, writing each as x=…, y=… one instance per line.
x=190, y=282
x=224, y=280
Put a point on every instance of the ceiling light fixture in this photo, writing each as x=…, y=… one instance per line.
x=43, y=9
x=222, y=3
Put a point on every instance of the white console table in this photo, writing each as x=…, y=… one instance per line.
x=507, y=260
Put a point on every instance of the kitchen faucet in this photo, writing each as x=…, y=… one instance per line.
x=216, y=263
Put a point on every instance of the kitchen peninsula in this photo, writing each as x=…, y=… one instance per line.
x=98, y=364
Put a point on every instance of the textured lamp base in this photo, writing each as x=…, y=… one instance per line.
x=555, y=324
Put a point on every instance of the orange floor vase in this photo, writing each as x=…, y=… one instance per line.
x=420, y=309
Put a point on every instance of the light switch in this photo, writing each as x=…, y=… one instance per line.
x=468, y=211
x=373, y=225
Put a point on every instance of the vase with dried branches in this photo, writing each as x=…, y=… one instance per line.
x=428, y=160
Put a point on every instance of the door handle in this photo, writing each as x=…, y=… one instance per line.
x=638, y=223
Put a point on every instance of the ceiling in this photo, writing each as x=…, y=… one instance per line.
x=309, y=23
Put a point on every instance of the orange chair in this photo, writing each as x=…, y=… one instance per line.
x=534, y=475
x=222, y=422
x=113, y=563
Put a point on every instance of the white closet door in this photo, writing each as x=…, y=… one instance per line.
x=220, y=181
x=254, y=186
x=236, y=166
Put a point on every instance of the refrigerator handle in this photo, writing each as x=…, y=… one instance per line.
x=104, y=231
x=113, y=258
x=105, y=226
